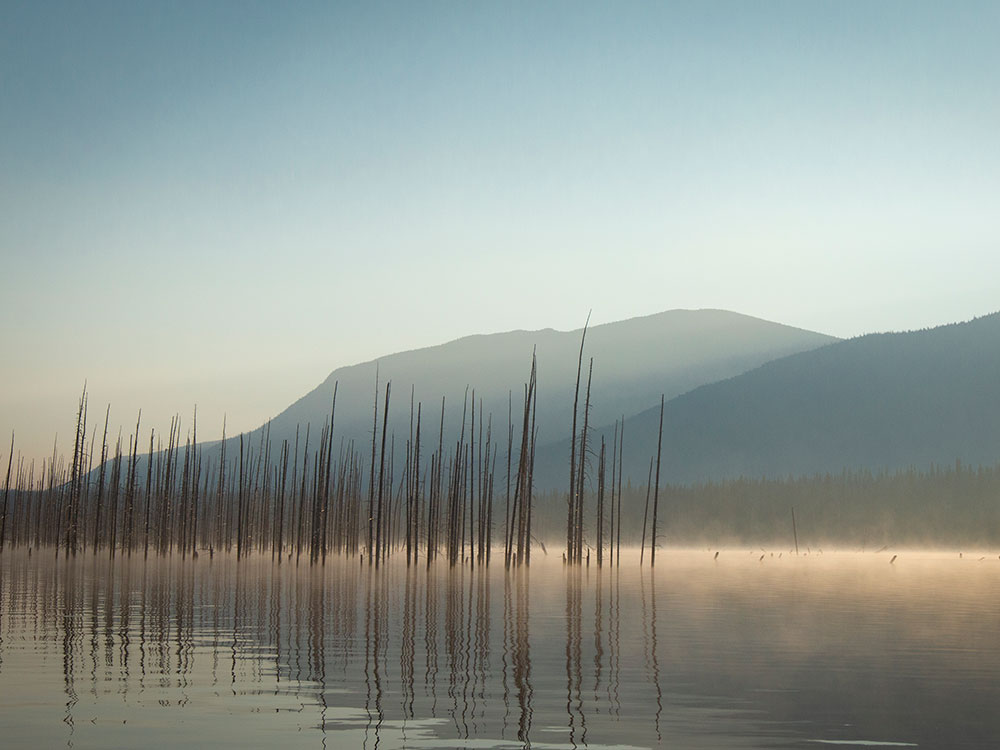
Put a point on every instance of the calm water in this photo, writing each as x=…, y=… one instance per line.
x=734, y=652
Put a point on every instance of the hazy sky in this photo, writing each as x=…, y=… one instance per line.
x=218, y=203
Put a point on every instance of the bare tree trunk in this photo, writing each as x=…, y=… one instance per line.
x=371, y=479
x=571, y=500
x=656, y=491
x=645, y=513
x=621, y=460
x=381, y=472
x=578, y=515
x=6, y=492
x=600, y=507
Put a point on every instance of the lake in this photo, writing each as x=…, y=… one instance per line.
x=750, y=648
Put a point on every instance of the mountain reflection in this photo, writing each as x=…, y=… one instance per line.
x=734, y=652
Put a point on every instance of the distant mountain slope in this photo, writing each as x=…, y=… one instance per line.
x=634, y=361
x=881, y=401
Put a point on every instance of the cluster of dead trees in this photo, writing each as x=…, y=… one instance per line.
x=581, y=453
x=309, y=497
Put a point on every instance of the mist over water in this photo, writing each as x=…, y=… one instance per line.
x=733, y=651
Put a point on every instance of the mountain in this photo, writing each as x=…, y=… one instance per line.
x=882, y=401
x=634, y=362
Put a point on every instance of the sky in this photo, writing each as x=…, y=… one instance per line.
x=218, y=203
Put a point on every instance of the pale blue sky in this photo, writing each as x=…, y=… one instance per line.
x=219, y=203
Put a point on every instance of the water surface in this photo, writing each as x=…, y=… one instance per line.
x=751, y=649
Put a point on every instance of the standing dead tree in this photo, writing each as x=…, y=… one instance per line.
x=519, y=532
x=573, y=489
x=6, y=493
x=656, y=490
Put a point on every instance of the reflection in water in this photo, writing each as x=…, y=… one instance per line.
x=653, y=650
x=70, y=627
x=574, y=677
x=521, y=655
x=703, y=653
x=614, y=700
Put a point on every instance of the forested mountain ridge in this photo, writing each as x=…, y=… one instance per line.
x=880, y=401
